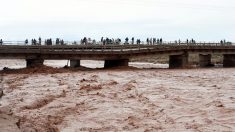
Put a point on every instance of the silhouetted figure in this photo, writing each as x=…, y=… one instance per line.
x=107, y=41
x=160, y=40
x=26, y=42
x=221, y=42
x=138, y=41
x=132, y=40
x=151, y=41
x=84, y=41
x=50, y=41
x=57, y=41
x=102, y=39
x=1, y=42
x=39, y=41
x=187, y=41
x=179, y=41
x=93, y=41
x=62, y=42
x=154, y=41
x=34, y=41
x=127, y=40
x=147, y=41
x=119, y=41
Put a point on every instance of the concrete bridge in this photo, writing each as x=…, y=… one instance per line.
x=118, y=55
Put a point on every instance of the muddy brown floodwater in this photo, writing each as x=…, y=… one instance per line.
x=119, y=100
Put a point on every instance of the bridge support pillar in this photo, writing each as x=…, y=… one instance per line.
x=229, y=60
x=178, y=61
x=115, y=63
x=75, y=63
x=34, y=62
x=205, y=60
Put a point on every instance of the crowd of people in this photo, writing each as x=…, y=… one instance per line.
x=108, y=41
x=105, y=41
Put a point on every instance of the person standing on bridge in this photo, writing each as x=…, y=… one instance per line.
x=32, y=41
x=26, y=42
x=151, y=41
x=1, y=42
x=39, y=41
x=127, y=40
x=50, y=41
x=160, y=40
x=132, y=40
x=221, y=42
x=154, y=41
x=191, y=41
x=138, y=41
x=35, y=42
x=62, y=42
x=147, y=41
x=102, y=39
x=119, y=41
x=57, y=41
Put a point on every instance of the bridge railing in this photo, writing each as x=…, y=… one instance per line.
x=100, y=43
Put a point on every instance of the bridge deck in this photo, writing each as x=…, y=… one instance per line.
x=107, y=51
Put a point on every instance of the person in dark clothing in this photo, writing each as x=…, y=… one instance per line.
x=62, y=42
x=57, y=41
x=138, y=41
x=39, y=41
x=26, y=42
x=192, y=41
x=127, y=40
x=160, y=40
x=132, y=40
x=154, y=41
x=221, y=42
x=102, y=39
x=107, y=41
x=85, y=40
x=50, y=41
x=1, y=42
x=34, y=41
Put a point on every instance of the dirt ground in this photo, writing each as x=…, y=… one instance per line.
x=119, y=100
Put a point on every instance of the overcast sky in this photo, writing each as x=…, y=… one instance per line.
x=209, y=20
